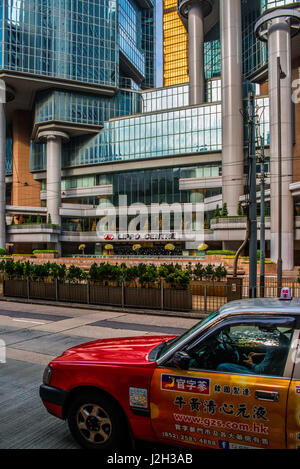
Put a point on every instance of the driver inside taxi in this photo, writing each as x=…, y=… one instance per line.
x=269, y=364
x=251, y=367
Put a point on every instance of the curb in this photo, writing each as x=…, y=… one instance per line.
x=178, y=314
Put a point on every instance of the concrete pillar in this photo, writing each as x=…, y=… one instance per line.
x=279, y=42
x=2, y=175
x=196, y=54
x=232, y=104
x=54, y=141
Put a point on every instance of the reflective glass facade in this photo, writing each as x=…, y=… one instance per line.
x=147, y=186
x=79, y=108
x=9, y=156
x=136, y=38
x=130, y=40
x=189, y=130
x=255, y=52
x=267, y=4
x=66, y=39
x=212, y=59
x=177, y=96
x=184, y=131
x=148, y=46
x=175, y=46
x=160, y=185
x=85, y=181
x=263, y=120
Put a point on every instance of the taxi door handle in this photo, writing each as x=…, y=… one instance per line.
x=267, y=396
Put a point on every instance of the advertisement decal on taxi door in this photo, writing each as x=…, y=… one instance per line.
x=217, y=410
x=293, y=416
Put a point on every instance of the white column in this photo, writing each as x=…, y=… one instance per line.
x=279, y=42
x=2, y=175
x=196, y=54
x=54, y=141
x=232, y=104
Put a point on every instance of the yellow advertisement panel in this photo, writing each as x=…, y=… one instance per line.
x=220, y=411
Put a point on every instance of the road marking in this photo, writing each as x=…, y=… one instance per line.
x=29, y=357
x=31, y=322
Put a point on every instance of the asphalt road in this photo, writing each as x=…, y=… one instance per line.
x=33, y=335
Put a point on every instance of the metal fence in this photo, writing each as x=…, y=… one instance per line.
x=201, y=298
x=208, y=297
x=153, y=297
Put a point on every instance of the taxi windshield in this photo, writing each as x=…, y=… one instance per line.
x=164, y=347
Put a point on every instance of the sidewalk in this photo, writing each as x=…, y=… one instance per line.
x=178, y=314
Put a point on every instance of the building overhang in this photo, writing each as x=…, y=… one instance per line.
x=295, y=190
x=147, y=163
x=25, y=210
x=27, y=85
x=130, y=69
x=72, y=129
x=83, y=192
x=200, y=183
x=33, y=234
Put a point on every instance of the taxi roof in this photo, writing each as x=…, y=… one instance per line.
x=262, y=305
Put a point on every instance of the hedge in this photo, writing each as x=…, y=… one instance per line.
x=220, y=253
x=142, y=274
x=44, y=251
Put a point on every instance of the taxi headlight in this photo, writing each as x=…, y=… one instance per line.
x=47, y=375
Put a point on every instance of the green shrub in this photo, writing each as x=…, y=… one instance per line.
x=180, y=279
x=240, y=209
x=220, y=253
x=224, y=212
x=217, y=213
x=21, y=255
x=199, y=271
x=220, y=272
x=45, y=251
x=75, y=273
x=148, y=274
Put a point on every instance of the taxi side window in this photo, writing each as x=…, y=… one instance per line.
x=257, y=349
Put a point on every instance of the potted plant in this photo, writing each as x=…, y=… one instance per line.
x=81, y=248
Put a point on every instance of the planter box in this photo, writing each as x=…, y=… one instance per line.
x=142, y=297
x=218, y=289
x=178, y=300
x=150, y=298
x=16, y=288
x=46, y=255
x=73, y=292
x=104, y=295
x=42, y=290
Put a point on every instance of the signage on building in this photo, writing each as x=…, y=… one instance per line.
x=141, y=237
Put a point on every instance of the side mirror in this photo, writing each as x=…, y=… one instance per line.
x=181, y=360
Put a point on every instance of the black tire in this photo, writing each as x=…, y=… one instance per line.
x=96, y=422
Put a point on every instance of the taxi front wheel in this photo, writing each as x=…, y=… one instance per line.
x=95, y=422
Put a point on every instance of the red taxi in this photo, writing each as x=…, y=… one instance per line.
x=232, y=381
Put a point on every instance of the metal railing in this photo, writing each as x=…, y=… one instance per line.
x=211, y=296
x=200, y=298
x=157, y=297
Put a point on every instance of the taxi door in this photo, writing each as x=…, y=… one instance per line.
x=293, y=405
x=221, y=410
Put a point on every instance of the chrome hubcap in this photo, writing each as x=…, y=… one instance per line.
x=94, y=423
